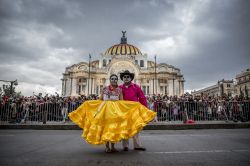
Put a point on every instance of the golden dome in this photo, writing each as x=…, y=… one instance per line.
x=123, y=48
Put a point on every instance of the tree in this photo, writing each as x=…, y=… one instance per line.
x=6, y=90
x=1, y=92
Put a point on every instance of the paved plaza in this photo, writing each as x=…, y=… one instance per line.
x=164, y=147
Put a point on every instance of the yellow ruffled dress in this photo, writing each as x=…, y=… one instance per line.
x=112, y=121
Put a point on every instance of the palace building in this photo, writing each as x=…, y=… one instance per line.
x=87, y=78
x=242, y=86
x=222, y=87
x=239, y=86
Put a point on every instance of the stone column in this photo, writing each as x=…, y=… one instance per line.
x=67, y=87
x=93, y=86
x=182, y=87
x=177, y=90
x=151, y=86
x=173, y=87
x=70, y=87
x=62, y=87
x=88, y=87
x=74, y=88
x=170, y=87
x=157, y=83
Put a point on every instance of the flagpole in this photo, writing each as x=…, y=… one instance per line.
x=89, y=73
x=155, y=77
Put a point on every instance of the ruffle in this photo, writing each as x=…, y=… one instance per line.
x=110, y=121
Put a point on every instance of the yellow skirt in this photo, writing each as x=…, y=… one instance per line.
x=110, y=121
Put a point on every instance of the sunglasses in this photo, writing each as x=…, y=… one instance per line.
x=126, y=76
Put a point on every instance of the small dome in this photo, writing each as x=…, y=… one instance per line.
x=123, y=48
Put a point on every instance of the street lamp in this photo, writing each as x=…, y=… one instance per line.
x=11, y=85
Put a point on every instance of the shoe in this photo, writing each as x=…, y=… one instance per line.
x=125, y=149
x=140, y=148
x=108, y=150
x=113, y=150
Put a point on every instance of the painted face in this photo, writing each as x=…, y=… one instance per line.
x=126, y=78
x=113, y=79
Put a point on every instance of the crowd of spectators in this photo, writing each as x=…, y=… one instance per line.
x=36, y=107
x=168, y=108
x=200, y=107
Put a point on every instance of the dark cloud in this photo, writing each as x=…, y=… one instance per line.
x=207, y=40
x=230, y=52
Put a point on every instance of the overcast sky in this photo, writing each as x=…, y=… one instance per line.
x=207, y=39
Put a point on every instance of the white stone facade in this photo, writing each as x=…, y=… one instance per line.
x=242, y=86
x=77, y=80
x=223, y=87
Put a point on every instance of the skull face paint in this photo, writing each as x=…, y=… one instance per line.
x=126, y=78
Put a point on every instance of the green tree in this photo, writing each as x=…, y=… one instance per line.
x=6, y=90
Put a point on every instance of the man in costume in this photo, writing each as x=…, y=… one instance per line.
x=132, y=92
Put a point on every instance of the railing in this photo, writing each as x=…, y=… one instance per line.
x=36, y=112
x=202, y=111
x=166, y=112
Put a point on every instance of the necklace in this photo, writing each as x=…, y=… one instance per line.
x=111, y=88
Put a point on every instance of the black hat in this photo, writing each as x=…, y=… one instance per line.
x=126, y=72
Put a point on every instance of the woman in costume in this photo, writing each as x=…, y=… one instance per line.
x=111, y=119
x=111, y=93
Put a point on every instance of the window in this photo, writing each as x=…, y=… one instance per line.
x=136, y=61
x=166, y=89
x=104, y=63
x=228, y=85
x=109, y=60
x=147, y=89
x=83, y=88
x=141, y=63
x=161, y=88
x=79, y=89
x=144, y=89
x=97, y=89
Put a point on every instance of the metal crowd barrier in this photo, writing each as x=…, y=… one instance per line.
x=166, y=111
x=36, y=112
x=202, y=111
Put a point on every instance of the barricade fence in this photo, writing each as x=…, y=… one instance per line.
x=36, y=112
x=166, y=111
x=202, y=111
